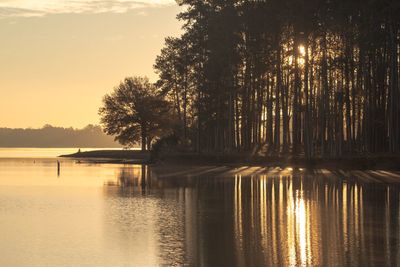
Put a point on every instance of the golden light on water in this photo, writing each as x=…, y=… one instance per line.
x=278, y=220
x=301, y=227
x=238, y=223
x=292, y=222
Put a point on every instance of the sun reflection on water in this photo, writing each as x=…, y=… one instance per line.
x=282, y=218
x=305, y=223
x=301, y=227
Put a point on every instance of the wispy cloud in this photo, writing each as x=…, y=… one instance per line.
x=29, y=8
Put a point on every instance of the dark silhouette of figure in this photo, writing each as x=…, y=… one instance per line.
x=58, y=168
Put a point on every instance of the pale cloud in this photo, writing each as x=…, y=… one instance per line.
x=30, y=8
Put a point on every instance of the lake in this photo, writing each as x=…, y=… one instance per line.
x=132, y=215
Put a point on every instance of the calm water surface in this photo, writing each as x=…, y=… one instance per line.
x=124, y=215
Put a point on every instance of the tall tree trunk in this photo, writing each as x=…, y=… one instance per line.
x=307, y=119
x=296, y=98
x=277, y=97
x=394, y=130
x=348, y=57
x=324, y=108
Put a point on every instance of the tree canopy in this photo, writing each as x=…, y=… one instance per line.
x=135, y=112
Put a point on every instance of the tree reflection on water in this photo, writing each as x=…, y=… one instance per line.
x=300, y=219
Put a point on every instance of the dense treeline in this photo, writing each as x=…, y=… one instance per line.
x=318, y=78
x=49, y=136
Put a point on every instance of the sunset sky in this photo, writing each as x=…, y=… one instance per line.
x=58, y=58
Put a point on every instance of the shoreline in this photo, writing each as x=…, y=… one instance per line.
x=191, y=160
x=111, y=156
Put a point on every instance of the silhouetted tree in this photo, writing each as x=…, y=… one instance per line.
x=173, y=67
x=135, y=112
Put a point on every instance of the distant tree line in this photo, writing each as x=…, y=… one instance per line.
x=318, y=78
x=49, y=136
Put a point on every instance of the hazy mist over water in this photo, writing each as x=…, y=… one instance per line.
x=103, y=215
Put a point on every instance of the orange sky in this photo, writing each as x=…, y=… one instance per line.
x=57, y=62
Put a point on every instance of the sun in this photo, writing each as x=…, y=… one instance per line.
x=302, y=50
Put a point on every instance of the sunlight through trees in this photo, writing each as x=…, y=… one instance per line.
x=315, y=78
